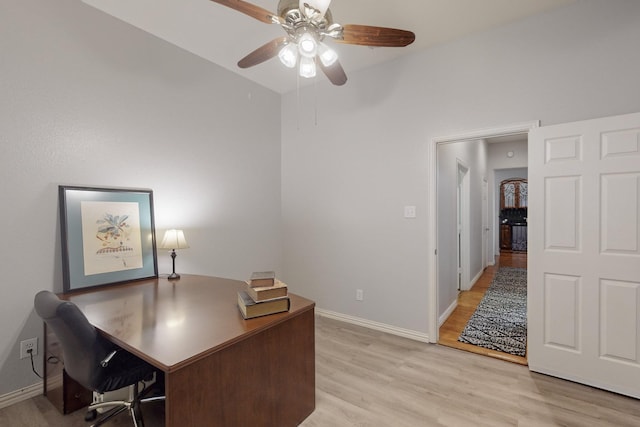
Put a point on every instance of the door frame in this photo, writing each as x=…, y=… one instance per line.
x=432, y=261
x=485, y=223
x=463, y=220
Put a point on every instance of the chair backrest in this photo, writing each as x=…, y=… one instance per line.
x=83, y=348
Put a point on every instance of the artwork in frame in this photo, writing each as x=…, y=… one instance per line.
x=108, y=236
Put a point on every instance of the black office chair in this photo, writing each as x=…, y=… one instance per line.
x=93, y=361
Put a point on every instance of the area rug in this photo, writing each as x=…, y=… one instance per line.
x=500, y=320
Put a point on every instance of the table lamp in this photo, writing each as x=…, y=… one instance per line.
x=174, y=239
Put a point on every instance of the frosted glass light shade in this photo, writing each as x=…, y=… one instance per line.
x=289, y=55
x=327, y=55
x=174, y=239
x=320, y=5
x=307, y=45
x=307, y=67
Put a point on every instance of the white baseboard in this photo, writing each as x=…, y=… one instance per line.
x=20, y=395
x=382, y=327
x=474, y=280
x=447, y=312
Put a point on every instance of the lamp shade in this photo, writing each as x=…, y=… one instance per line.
x=327, y=56
x=320, y=5
x=289, y=55
x=174, y=239
x=307, y=67
x=307, y=45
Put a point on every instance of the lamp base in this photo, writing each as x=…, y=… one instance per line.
x=173, y=275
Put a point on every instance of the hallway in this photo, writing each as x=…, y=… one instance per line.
x=467, y=303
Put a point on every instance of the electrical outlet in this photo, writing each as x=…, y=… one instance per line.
x=26, y=345
x=359, y=295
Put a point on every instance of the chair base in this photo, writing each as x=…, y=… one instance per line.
x=117, y=406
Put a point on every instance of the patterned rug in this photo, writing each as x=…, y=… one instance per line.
x=500, y=320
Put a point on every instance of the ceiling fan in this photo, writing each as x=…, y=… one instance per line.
x=307, y=23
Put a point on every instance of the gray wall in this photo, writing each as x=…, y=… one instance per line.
x=88, y=100
x=473, y=155
x=347, y=178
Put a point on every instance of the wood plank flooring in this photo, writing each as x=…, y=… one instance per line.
x=467, y=303
x=369, y=378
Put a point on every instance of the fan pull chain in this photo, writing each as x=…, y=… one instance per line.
x=298, y=101
x=315, y=90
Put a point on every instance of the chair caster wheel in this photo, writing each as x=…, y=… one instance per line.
x=91, y=415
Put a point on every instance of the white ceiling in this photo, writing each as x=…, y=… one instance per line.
x=223, y=36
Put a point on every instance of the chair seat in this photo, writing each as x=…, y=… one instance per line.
x=123, y=370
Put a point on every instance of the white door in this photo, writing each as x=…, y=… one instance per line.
x=584, y=252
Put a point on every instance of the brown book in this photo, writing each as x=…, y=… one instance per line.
x=261, y=279
x=250, y=309
x=278, y=290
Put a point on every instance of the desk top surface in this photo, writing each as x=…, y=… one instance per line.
x=174, y=323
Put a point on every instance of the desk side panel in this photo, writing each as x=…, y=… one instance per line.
x=265, y=380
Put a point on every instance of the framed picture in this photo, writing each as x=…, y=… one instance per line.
x=108, y=236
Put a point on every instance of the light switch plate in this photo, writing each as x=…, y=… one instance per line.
x=409, y=211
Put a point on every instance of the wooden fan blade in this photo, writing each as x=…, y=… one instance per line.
x=335, y=73
x=263, y=53
x=250, y=9
x=366, y=35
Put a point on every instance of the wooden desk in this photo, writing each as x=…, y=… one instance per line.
x=220, y=370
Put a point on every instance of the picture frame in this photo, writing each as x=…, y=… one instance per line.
x=107, y=236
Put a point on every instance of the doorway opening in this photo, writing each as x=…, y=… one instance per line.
x=483, y=247
x=513, y=195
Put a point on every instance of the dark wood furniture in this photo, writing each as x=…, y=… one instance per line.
x=514, y=193
x=513, y=214
x=220, y=370
x=505, y=237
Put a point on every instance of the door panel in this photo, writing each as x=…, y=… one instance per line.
x=562, y=214
x=584, y=252
x=561, y=316
x=619, y=323
x=619, y=205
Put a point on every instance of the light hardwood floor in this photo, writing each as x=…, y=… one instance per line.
x=467, y=303
x=369, y=378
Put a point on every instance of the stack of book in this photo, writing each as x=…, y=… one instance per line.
x=263, y=295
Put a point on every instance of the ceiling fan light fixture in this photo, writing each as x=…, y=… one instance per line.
x=327, y=55
x=307, y=67
x=288, y=55
x=307, y=23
